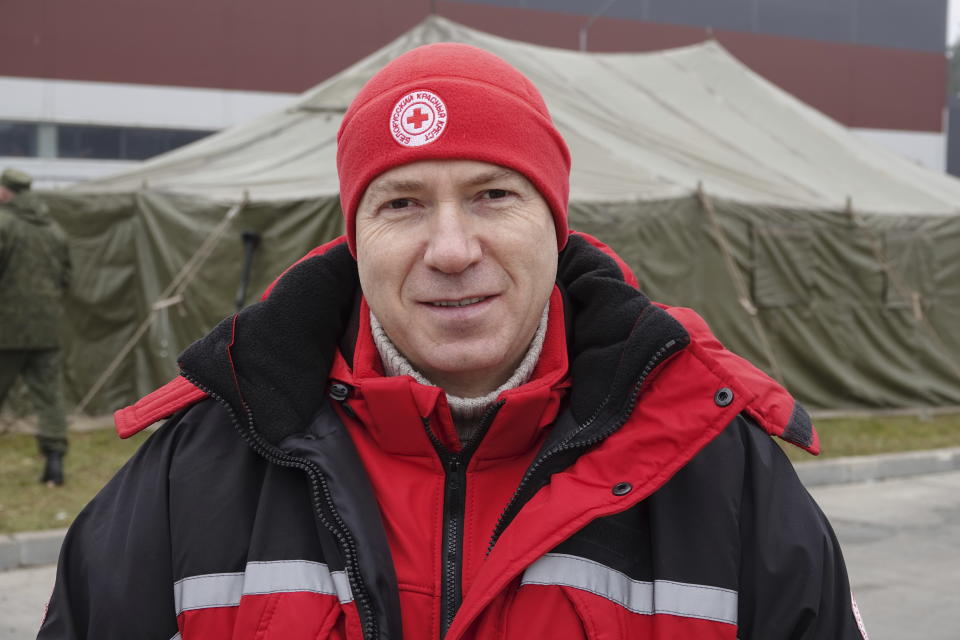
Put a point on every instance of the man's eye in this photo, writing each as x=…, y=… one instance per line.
x=496, y=194
x=399, y=203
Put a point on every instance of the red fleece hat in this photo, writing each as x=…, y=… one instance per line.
x=451, y=101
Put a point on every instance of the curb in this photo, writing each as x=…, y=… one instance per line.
x=883, y=466
x=36, y=548
x=30, y=549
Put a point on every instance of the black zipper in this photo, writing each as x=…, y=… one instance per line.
x=321, y=498
x=569, y=444
x=454, y=503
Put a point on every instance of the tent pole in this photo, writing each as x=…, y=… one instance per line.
x=743, y=296
x=589, y=22
x=172, y=295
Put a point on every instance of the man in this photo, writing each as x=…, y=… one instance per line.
x=34, y=275
x=460, y=421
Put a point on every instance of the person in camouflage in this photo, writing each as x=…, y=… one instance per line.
x=34, y=275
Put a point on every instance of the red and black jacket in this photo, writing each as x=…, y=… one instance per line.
x=629, y=490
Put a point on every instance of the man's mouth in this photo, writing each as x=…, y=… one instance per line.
x=458, y=303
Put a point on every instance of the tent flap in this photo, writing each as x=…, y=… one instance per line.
x=128, y=249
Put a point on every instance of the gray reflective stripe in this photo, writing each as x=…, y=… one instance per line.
x=176, y=636
x=646, y=598
x=212, y=590
x=226, y=589
x=296, y=575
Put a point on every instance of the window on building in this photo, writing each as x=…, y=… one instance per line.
x=140, y=144
x=92, y=142
x=81, y=141
x=18, y=139
x=120, y=143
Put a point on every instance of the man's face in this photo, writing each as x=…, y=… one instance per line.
x=457, y=260
x=6, y=195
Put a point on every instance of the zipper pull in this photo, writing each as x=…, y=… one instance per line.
x=454, y=465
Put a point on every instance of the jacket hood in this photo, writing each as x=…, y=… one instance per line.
x=272, y=359
x=290, y=338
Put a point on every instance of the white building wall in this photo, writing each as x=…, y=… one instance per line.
x=923, y=147
x=126, y=105
x=132, y=105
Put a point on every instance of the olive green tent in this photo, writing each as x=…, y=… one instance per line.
x=829, y=262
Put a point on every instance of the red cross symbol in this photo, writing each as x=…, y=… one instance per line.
x=417, y=118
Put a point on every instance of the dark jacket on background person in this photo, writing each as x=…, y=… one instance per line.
x=34, y=274
x=630, y=489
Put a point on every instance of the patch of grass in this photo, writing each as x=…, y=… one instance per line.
x=26, y=505
x=881, y=434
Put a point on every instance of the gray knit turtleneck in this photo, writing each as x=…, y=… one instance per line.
x=466, y=411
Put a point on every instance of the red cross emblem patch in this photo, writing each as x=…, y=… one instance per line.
x=418, y=118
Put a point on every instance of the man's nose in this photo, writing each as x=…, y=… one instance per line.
x=453, y=244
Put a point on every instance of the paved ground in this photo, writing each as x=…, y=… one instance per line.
x=23, y=595
x=901, y=539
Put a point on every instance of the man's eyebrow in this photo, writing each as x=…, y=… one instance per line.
x=396, y=186
x=407, y=186
x=490, y=176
